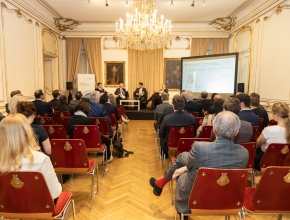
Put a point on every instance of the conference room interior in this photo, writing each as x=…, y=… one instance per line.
x=40, y=49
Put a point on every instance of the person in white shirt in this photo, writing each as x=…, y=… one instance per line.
x=21, y=152
x=279, y=133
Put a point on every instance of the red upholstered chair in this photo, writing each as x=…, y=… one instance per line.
x=261, y=124
x=58, y=115
x=256, y=133
x=27, y=197
x=42, y=115
x=204, y=112
x=70, y=157
x=198, y=121
x=46, y=120
x=63, y=121
x=206, y=131
x=272, y=122
x=217, y=192
x=103, y=124
x=271, y=195
x=275, y=155
x=55, y=131
x=251, y=147
x=195, y=114
x=91, y=135
x=114, y=123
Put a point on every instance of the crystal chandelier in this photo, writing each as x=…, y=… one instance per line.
x=142, y=30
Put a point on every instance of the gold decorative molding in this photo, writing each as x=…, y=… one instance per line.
x=110, y=39
x=64, y=24
x=277, y=11
x=257, y=21
x=226, y=23
x=178, y=38
x=37, y=24
x=50, y=32
x=18, y=13
x=231, y=36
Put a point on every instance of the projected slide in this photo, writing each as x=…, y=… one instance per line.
x=209, y=73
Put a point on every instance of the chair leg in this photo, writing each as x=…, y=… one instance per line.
x=92, y=189
x=172, y=193
x=280, y=216
x=252, y=173
x=176, y=214
x=74, y=211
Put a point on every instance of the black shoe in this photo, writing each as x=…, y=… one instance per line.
x=156, y=190
x=184, y=217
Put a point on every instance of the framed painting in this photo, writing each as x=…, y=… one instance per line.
x=172, y=73
x=114, y=73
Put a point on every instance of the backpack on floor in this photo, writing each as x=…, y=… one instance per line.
x=119, y=150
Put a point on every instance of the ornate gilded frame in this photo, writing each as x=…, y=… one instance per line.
x=172, y=73
x=109, y=67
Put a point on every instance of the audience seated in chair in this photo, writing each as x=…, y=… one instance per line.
x=156, y=97
x=106, y=102
x=21, y=152
x=205, y=103
x=246, y=113
x=54, y=101
x=246, y=130
x=13, y=93
x=279, y=133
x=177, y=118
x=141, y=94
x=222, y=153
x=214, y=96
x=190, y=105
x=73, y=103
x=260, y=111
x=41, y=107
x=160, y=108
x=62, y=104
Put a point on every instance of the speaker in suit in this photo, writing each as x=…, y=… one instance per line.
x=141, y=94
x=156, y=97
x=121, y=93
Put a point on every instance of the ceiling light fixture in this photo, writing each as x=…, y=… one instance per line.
x=127, y=3
x=204, y=2
x=89, y=1
x=142, y=30
x=171, y=3
x=192, y=5
x=107, y=4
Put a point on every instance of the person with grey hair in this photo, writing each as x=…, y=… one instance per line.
x=222, y=153
x=190, y=105
x=160, y=108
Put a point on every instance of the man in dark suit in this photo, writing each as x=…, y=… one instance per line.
x=260, y=111
x=222, y=153
x=122, y=93
x=54, y=101
x=105, y=101
x=100, y=88
x=177, y=118
x=41, y=107
x=246, y=113
x=141, y=94
x=205, y=103
x=190, y=105
x=160, y=108
x=156, y=97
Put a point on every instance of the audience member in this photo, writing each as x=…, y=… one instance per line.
x=156, y=97
x=260, y=111
x=12, y=105
x=73, y=103
x=222, y=153
x=41, y=107
x=121, y=93
x=205, y=103
x=100, y=88
x=112, y=99
x=62, y=104
x=246, y=130
x=279, y=133
x=177, y=118
x=246, y=114
x=141, y=94
x=54, y=101
x=254, y=95
x=160, y=108
x=211, y=108
x=190, y=105
x=29, y=111
x=106, y=102
x=13, y=93
x=208, y=119
x=21, y=152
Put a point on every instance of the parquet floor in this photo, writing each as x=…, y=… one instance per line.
x=125, y=193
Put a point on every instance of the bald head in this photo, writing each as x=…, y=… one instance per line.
x=217, y=96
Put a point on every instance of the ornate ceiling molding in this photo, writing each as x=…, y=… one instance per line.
x=178, y=38
x=226, y=23
x=277, y=11
x=18, y=13
x=64, y=24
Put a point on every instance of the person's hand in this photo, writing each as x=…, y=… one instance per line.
x=178, y=172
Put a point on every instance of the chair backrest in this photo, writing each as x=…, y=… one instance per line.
x=90, y=134
x=26, y=196
x=218, y=191
x=58, y=115
x=42, y=115
x=113, y=119
x=63, y=121
x=198, y=121
x=273, y=191
x=185, y=144
x=256, y=133
x=272, y=122
x=69, y=156
x=261, y=124
x=276, y=155
x=177, y=132
x=103, y=124
x=122, y=111
x=195, y=114
x=55, y=131
x=46, y=120
x=251, y=147
x=206, y=131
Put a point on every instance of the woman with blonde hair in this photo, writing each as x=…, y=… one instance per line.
x=21, y=152
x=279, y=133
x=13, y=103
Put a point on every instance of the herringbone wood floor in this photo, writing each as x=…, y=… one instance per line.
x=125, y=192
